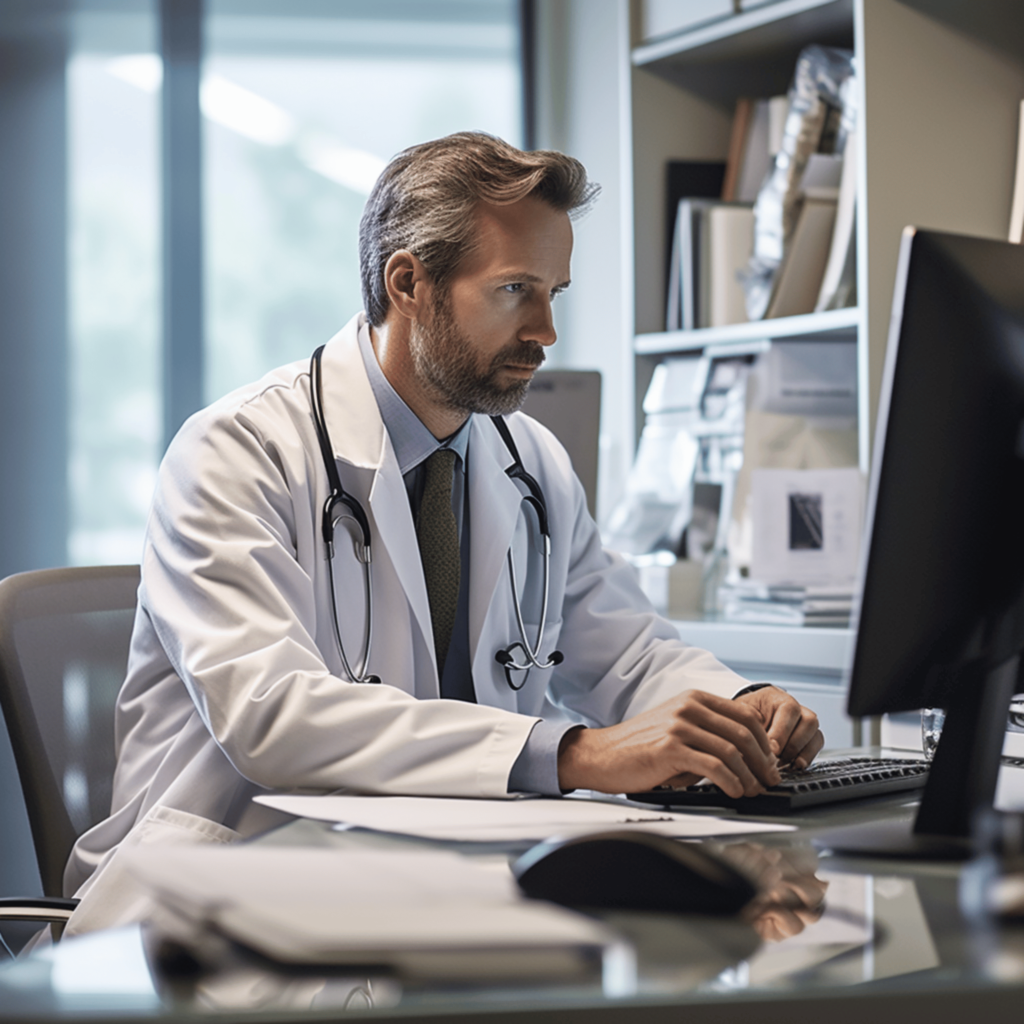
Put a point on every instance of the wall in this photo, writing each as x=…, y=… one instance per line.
x=582, y=110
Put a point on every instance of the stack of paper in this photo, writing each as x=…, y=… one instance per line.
x=503, y=821
x=786, y=605
x=418, y=912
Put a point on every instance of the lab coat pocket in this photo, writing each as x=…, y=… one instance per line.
x=112, y=896
x=530, y=683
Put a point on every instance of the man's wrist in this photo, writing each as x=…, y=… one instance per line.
x=536, y=768
x=569, y=762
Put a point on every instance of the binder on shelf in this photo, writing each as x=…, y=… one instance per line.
x=679, y=315
x=756, y=136
x=730, y=240
x=799, y=281
x=1017, y=209
x=838, y=283
x=711, y=244
x=701, y=179
x=738, y=140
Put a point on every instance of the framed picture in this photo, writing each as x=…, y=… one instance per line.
x=807, y=525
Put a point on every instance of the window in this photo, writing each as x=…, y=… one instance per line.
x=301, y=114
x=114, y=293
x=302, y=104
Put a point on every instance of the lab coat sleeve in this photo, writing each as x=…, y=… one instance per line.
x=227, y=586
x=621, y=657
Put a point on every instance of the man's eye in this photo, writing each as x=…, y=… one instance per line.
x=514, y=289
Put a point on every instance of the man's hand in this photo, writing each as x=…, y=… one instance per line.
x=793, y=731
x=693, y=736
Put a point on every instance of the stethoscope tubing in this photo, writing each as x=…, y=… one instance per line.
x=355, y=514
x=363, y=555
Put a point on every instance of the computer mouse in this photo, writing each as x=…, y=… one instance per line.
x=632, y=871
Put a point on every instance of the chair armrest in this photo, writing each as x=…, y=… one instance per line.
x=36, y=908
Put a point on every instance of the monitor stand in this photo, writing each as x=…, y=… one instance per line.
x=954, y=818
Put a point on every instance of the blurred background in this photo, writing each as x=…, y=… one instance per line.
x=132, y=306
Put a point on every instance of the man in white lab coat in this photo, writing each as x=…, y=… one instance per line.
x=236, y=682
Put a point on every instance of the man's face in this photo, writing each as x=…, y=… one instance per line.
x=486, y=333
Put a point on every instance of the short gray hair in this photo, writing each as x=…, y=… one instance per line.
x=424, y=201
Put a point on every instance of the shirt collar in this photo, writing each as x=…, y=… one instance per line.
x=411, y=439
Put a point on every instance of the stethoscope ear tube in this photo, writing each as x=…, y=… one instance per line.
x=328, y=519
x=351, y=510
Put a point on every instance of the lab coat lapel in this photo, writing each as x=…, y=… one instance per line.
x=360, y=439
x=494, y=502
x=397, y=535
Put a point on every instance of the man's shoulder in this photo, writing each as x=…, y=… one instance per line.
x=275, y=393
x=283, y=390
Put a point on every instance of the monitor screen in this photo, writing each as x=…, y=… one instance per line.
x=940, y=621
x=568, y=403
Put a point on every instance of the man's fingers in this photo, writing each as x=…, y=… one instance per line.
x=737, y=722
x=808, y=753
x=784, y=719
x=736, y=757
x=695, y=735
x=730, y=774
x=791, y=728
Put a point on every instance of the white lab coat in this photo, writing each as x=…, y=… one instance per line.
x=234, y=683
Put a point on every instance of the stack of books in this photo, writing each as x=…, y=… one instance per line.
x=712, y=224
x=750, y=602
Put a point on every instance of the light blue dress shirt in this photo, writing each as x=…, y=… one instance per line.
x=536, y=768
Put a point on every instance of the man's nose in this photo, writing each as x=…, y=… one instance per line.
x=541, y=325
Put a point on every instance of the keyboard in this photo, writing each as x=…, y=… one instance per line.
x=829, y=780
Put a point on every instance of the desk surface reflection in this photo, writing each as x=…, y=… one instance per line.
x=860, y=937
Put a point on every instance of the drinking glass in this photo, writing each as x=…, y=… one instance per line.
x=932, y=720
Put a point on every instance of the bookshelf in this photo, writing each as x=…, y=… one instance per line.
x=837, y=324
x=939, y=88
x=939, y=91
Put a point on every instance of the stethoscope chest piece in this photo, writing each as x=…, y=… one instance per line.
x=521, y=655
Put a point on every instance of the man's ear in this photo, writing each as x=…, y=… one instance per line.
x=407, y=284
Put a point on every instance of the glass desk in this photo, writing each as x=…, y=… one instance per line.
x=846, y=939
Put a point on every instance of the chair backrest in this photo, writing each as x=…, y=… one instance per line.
x=64, y=636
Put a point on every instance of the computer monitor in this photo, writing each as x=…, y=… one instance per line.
x=940, y=621
x=568, y=403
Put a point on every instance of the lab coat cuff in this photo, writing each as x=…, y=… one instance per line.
x=536, y=768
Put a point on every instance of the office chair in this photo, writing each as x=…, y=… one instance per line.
x=64, y=636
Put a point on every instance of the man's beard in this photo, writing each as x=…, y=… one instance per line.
x=444, y=359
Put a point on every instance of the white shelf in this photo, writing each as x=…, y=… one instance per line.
x=808, y=649
x=835, y=324
x=752, y=53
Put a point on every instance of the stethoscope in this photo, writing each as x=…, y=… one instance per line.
x=342, y=507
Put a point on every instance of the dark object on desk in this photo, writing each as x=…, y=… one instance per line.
x=632, y=871
x=940, y=621
x=828, y=781
x=568, y=403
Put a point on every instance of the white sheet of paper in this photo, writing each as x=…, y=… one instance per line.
x=470, y=820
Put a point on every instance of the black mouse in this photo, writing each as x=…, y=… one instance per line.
x=632, y=871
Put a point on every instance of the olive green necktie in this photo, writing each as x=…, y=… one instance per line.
x=438, y=537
